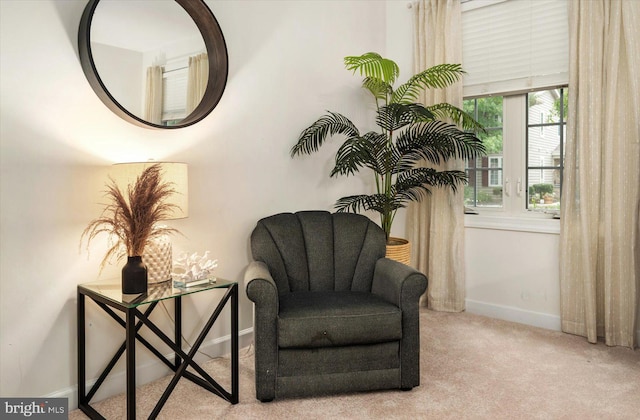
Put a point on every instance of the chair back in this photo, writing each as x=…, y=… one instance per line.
x=318, y=250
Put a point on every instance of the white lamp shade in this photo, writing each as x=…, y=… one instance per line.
x=125, y=174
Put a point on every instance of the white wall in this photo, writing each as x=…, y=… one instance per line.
x=58, y=141
x=513, y=275
x=399, y=41
x=113, y=63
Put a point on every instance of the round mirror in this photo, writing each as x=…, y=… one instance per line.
x=156, y=64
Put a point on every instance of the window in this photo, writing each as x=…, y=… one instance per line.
x=523, y=169
x=174, y=88
x=544, y=179
x=485, y=173
x=516, y=58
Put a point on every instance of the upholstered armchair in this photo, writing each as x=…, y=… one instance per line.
x=331, y=313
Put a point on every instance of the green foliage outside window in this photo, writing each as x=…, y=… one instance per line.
x=541, y=189
x=555, y=111
x=489, y=114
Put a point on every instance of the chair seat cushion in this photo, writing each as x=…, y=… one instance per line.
x=329, y=318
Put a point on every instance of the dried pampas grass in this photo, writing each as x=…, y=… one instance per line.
x=131, y=220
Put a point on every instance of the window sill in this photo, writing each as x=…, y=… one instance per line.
x=518, y=224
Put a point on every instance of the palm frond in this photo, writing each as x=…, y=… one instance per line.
x=385, y=155
x=373, y=65
x=424, y=178
x=436, y=77
x=415, y=184
x=457, y=116
x=378, y=88
x=392, y=117
x=363, y=202
x=314, y=136
x=358, y=152
x=437, y=141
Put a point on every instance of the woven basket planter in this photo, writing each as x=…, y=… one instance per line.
x=399, y=249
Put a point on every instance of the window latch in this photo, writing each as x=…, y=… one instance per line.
x=507, y=189
x=519, y=187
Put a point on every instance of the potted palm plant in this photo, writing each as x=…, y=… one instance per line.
x=131, y=220
x=410, y=135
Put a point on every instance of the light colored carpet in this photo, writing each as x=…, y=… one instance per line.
x=472, y=367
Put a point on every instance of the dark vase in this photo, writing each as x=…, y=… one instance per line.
x=134, y=276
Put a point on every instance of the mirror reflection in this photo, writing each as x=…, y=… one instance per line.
x=151, y=58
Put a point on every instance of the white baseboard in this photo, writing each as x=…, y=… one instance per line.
x=509, y=313
x=114, y=384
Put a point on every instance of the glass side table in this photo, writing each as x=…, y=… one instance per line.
x=108, y=296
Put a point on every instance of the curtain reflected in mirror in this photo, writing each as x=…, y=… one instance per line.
x=173, y=94
x=197, y=80
x=153, y=105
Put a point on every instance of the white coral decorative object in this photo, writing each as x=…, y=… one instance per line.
x=193, y=267
x=157, y=257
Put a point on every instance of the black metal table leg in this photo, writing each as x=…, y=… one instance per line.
x=131, y=363
x=235, y=355
x=178, y=328
x=81, y=351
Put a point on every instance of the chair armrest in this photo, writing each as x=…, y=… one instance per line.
x=398, y=283
x=261, y=288
x=402, y=285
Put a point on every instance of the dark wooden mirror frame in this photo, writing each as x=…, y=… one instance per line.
x=216, y=50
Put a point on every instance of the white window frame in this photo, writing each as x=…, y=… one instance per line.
x=513, y=215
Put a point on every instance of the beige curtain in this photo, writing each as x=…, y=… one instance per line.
x=600, y=245
x=436, y=225
x=197, y=80
x=153, y=101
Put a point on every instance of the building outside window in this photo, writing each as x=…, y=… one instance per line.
x=495, y=171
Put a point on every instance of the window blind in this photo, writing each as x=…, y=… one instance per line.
x=514, y=46
x=174, y=98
